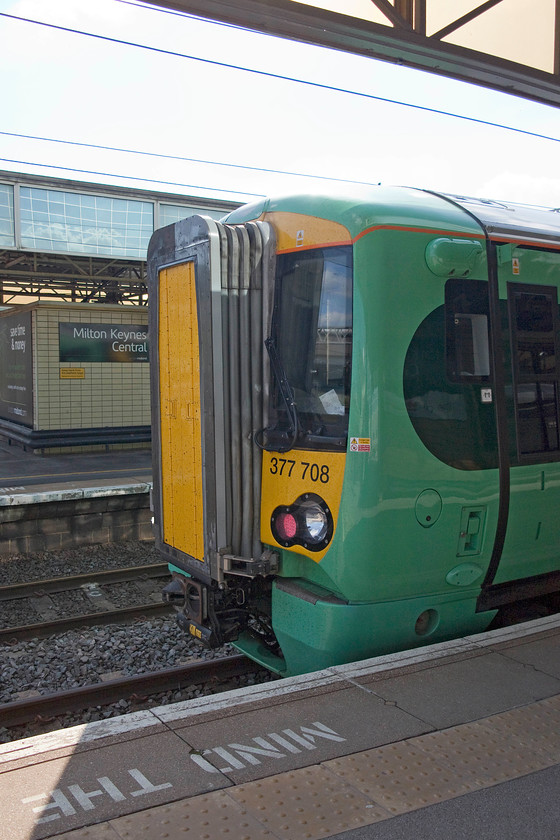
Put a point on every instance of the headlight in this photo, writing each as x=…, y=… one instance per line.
x=307, y=522
x=316, y=521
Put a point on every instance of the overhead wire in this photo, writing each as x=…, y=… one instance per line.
x=223, y=190
x=183, y=159
x=285, y=78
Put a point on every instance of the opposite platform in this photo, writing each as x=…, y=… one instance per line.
x=55, y=502
x=363, y=748
x=24, y=475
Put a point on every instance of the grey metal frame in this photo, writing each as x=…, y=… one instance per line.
x=405, y=42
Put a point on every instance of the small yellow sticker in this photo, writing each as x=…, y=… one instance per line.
x=72, y=373
x=515, y=265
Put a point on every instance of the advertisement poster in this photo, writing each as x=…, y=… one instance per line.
x=103, y=342
x=16, y=369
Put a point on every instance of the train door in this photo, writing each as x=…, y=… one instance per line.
x=209, y=285
x=529, y=312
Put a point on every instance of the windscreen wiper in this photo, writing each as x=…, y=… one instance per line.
x=288, y=398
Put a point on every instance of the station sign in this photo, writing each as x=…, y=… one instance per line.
x=81, y=342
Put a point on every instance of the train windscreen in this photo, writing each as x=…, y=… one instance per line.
x=311, y=348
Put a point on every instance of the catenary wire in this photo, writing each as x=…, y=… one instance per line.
x=281, y=77
x=184, y=159
x=131, y=177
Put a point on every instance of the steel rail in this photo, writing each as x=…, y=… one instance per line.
x=42, y=629
x=15, y=591
x=28, y=710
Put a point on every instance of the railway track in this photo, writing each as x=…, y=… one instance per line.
x=42, y=629
x=47, y=707
x=64, y=584
x=90, y=584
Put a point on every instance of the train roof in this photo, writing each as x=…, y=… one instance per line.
x=501, y=221
x=504, y=221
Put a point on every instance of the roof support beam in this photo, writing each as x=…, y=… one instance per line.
x=396, y=14
x=457, y=24
x=402, y=41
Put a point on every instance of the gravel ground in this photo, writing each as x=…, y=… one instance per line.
x=88, y=656
x=80, y=657
x=40, y=566
x=77, y=658
x=19, y=568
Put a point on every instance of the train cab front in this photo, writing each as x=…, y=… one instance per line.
x=304, y=446
x=251, y=327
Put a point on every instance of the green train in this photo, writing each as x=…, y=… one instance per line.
x=355, y=421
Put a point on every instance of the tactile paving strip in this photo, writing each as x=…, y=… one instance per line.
x=476, y=752
x=537, y=726
x=401, y=777
x=308, y=804
x=208, y=817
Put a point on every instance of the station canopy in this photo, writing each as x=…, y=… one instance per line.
x=508, y=45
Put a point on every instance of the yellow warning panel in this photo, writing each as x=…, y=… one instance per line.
x=288, y=476
x=296, y=231
x=180, y=427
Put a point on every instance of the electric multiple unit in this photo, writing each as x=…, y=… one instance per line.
x=355, y=421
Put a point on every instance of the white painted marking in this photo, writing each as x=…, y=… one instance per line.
x=289, y=747
x=325, y=732
x=233, y=763
x=111, y=789
x=250, y=753
x=58, y=800
x=61, y=802
x=145, y=785
x=264, y=749
x=305, y=742
x=84, y=799
x=205, y=765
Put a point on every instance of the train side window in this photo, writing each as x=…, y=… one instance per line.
x=534, y=338
x=466, y=320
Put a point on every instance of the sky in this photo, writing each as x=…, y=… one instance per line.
x=64, y=86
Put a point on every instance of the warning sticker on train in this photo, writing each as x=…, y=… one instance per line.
x=360, y=444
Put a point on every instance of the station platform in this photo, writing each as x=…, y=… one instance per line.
x=24, y=475
x=456, y=740
x=55, y=502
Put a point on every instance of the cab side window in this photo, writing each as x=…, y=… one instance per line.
x=533, y=314
x=466, y=328
x=447, y=367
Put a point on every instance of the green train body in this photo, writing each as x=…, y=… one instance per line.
x=355, y=415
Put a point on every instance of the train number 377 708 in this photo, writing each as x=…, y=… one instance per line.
x=303, y=469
